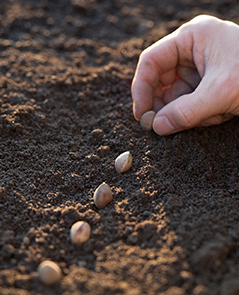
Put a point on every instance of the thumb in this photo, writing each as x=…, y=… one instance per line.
x=188, y=111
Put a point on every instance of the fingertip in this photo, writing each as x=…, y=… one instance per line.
x=136, y=112
x=162, y=126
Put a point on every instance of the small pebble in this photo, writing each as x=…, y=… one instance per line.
x=123, y=162
x=103, y=196
x=146, y=120
x=80, y=232
x=49, y=272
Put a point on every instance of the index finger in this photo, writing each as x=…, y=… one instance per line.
x=159, y=58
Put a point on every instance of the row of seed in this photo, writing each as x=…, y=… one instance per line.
x=50, y=272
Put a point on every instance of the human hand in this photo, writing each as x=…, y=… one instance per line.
x=190, y=77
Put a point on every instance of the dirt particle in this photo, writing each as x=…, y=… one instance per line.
x=230, y=287
x=104, y=150
x=201, y=290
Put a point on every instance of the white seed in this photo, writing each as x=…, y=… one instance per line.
x=146, y=120
x=102, y=196
x=49, y=272
x=123, y=162
x=80, y=232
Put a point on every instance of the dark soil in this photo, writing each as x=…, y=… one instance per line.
x=65, y=115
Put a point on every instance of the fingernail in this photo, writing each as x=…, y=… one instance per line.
x=135, y=111
x=162, y=126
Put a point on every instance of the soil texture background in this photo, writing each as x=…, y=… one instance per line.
x=65, y=115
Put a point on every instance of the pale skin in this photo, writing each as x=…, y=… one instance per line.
x=190, y=78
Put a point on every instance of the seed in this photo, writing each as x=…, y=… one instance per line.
x=103, y=196
x=80, y=232
x=123, y=162
x=49, y=272
x=146, y=120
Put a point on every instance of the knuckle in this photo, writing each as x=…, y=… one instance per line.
x=184, y=117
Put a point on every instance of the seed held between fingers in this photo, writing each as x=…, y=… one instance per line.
x=123, y=162
x=49, y=272
x=80, y=232
x=103, y=196
x=146, y=121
